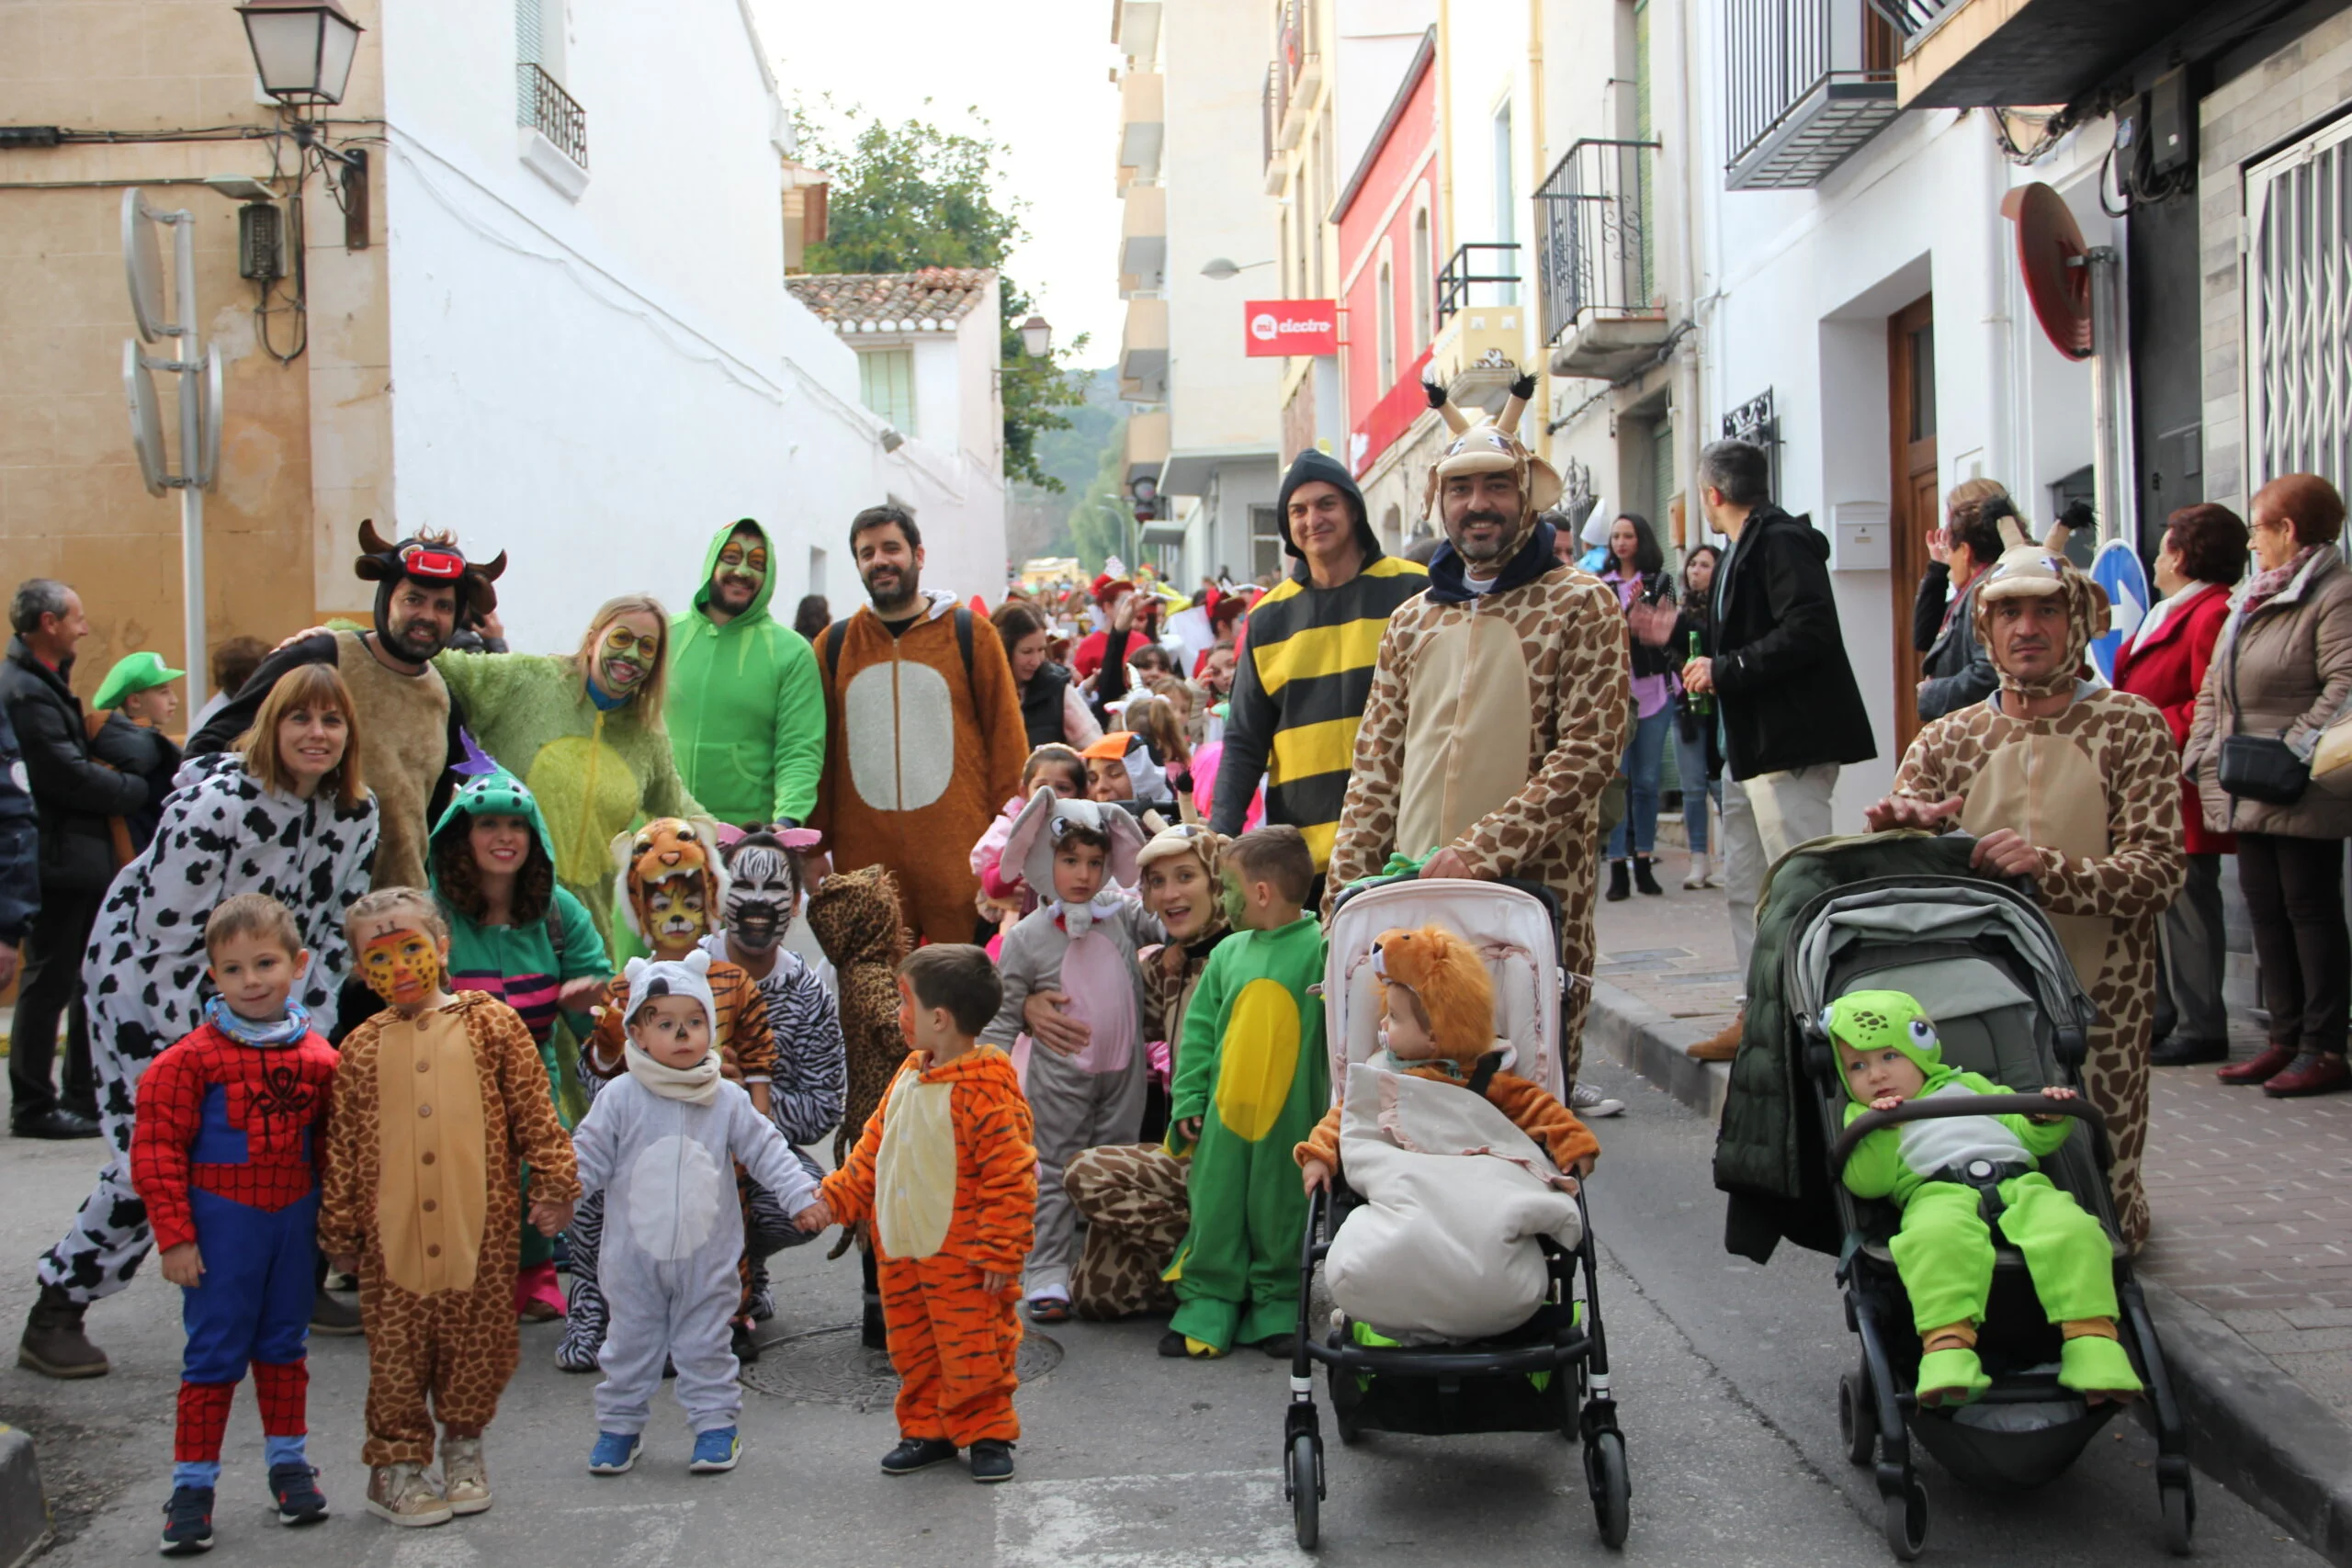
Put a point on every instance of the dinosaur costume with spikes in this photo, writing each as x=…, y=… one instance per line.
x=1499, y=709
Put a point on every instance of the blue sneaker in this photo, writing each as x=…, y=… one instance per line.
x=716, y=1451
x=614, y=1454
x=188, y=1521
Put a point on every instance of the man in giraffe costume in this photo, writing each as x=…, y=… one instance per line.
x=1499, y=704
x=2076, y=787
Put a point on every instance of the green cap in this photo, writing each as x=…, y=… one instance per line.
x=1875, y=1021
x=133, y=673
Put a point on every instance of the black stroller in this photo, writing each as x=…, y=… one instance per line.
x=1987, y=967
x=1552, y=1374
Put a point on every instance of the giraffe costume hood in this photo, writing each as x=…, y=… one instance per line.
x=2027, y=570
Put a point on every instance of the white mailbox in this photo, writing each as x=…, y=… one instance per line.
x=1859, y=536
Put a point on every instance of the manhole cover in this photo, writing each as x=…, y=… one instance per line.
x=832, y=1366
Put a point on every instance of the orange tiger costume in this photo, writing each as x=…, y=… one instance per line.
x=952, y=1342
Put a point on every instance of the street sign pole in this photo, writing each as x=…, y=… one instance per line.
x=193, y=414
x=199, y=372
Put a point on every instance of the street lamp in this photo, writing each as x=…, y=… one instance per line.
x=1036, y=337
x=302, y=49
x=1220, y=268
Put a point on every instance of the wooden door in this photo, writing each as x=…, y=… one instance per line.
x=1918, y=507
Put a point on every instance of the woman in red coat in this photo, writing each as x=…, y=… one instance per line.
x=2204, y=553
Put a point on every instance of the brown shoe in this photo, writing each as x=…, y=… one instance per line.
x=2259, y=1070
x=1723, y=1044
x=2315, y=1072
x=405, y=1495
x=465, y=1482
x=54, y=1344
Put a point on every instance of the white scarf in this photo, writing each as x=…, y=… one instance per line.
x=1078, y=918
x=697, y=1085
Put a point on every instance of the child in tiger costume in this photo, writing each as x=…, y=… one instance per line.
x=945, y=1171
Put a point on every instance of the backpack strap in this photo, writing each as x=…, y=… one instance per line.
x=964, y=643
x=554, y=937
x=834, y=632
x=834, y=635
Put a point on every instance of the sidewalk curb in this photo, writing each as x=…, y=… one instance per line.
x=24, y=1510
x=2250, y=1426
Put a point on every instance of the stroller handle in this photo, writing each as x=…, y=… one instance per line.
x=1938, y=1110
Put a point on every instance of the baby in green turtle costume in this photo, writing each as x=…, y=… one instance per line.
x=1888, y=1052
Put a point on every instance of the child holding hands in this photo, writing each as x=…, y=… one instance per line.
x=223, y=1154
x=946, y=1173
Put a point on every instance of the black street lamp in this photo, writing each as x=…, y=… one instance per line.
x=302, y=49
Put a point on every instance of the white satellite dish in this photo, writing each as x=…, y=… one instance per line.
x=146, y=418
x=208, y=473
x=142, y=258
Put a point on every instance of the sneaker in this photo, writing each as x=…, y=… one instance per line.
x=188, y=1522
x=917, y=1453
x=1174, y=1346
x=991, y=1460
x=2313, y=1072
x=614, y=1453
x=716, y=1451
x=1588, y=1101
x=465, y=1484
x=405, y=1495
x=331, y=1315
x=296, y=1487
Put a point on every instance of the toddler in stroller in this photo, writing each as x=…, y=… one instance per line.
x=1954, y=1180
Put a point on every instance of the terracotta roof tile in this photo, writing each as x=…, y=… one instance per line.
x=934, y=300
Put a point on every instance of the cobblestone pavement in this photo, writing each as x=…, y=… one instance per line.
x=2253, y=1196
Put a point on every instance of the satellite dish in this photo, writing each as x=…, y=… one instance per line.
x=2050, y=254
x=2117, y=569
x=146, y=418
x=142, y=259
x=209, y=417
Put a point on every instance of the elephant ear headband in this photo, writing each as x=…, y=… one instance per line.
x=1048, y=819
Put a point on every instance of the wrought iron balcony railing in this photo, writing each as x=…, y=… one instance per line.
x=1461, y=275
x=553, y=113
x=1912, y=19
x=1807, y=83
x=1594, y=247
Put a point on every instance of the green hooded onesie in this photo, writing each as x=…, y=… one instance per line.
x=1944, y=1249
x=1253, y=1067
x=746, y=711
x=595, y=773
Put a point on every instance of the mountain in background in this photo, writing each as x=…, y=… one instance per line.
x=1039, y=523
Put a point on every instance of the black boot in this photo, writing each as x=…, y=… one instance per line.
x=1643, y=878
x=1619, y=891
x=54, y=1343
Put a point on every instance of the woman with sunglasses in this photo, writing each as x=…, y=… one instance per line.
x=584, y=732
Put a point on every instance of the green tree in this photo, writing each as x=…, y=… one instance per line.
x=912, y=196
x=1102, y=523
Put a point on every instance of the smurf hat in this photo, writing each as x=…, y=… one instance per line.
x=688, y=977
x=139, y=671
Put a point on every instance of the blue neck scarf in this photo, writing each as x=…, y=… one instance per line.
x=266, y=1034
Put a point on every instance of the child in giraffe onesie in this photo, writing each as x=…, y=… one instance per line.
x=438, y=1100
x=1251, y=1082
x=662, y=1142
x=946, y=1173
x=1954, y=1180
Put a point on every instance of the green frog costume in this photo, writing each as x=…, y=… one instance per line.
x=1944, y=1249
x=746, y=709
x=595, y=771
x=1253, y=1067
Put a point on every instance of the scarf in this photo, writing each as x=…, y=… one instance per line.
x=269, y=1034
x=697, y=1085
x=2265, y=586
x=1078, y=918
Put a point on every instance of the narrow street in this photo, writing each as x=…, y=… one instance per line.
x=1725, y=1372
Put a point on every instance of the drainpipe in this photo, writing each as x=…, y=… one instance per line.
x=2002, y=373
x=1446, y=242
x=1538, y=166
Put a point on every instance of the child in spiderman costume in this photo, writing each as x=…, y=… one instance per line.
x=223, y=1154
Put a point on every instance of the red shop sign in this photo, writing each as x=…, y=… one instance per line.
x=1291, y=326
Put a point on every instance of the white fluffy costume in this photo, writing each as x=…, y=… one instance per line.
x=1088, y=952
x=662, y=1142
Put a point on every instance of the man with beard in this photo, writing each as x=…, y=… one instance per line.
x=745, y=711
x=924, y=735
x=1302, y=677
x=1499, y=704
x=408, y=726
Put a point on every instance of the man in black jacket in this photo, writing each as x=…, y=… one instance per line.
x=72, y=798
x=1791, y=713
x=19, y=852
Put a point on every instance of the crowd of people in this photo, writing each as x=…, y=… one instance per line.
x=455, y=970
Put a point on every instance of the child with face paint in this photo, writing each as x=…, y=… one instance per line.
x=222, y=1157
x=438, y=1100
x=1002, y=891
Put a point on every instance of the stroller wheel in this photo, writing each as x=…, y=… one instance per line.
x=2180, y=1518
x=1906, y=1519
x=1304, y=1482
x=1612, y=1489
x=1857, y=1416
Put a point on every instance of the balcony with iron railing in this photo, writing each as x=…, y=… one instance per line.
x=1482, y=273
x=1480, y=345
x=545, y=108
x=1807, y=83
x=1596, y=259
x=1974, y=53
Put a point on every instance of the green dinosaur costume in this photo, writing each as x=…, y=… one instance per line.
x=594, y=773
x=745, y=709
x=1944, y=1250
x=1251, y=1066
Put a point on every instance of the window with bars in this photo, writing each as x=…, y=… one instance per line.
x=886, y=383
x=2299, y=311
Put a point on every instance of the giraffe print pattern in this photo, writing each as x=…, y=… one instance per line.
x=1572, y=636
x=457, y=1348
x=2132, y=885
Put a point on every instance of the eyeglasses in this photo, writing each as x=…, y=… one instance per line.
x=623, y=641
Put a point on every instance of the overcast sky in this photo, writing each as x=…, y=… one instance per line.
x=1037, y=70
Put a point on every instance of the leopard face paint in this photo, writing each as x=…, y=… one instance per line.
x=402, y=966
